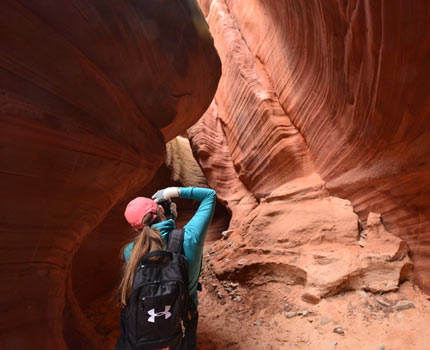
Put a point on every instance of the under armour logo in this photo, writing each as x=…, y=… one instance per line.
x=153, y=315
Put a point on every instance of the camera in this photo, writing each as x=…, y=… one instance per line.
x=169, y=209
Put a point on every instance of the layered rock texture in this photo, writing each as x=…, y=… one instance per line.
x=89, y=93
x=322, y=113
x=317, y=142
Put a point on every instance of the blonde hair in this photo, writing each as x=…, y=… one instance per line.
x=146, y=241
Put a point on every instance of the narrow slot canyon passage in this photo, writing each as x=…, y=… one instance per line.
x=97, y=265
x=310, y=120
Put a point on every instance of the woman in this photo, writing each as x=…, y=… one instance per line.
x=147, y=216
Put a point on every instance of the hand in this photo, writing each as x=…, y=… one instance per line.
x=165, y=194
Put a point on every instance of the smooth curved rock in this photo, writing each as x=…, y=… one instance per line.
x=89, y=92
x=336, y=88
x=211, y=150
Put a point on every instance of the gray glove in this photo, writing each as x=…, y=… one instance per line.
x=165, y=194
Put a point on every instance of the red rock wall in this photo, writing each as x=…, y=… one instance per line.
x=89, y=92
x=336, y=87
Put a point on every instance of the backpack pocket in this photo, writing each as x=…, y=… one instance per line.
x=159, y=312
x=172, y=343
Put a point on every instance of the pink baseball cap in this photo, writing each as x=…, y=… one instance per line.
x=137, y=209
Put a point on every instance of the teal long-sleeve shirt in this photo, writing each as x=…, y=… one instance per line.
x=194, y=235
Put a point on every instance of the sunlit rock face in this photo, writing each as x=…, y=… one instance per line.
x=89, y=92
x=333, y=89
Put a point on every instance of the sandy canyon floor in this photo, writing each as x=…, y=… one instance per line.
x=273, y=316
x=368, y=321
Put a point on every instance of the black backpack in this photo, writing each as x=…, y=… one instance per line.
x=157, y=311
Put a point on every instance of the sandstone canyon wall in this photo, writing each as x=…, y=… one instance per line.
x=89, y=93
x=321, y=100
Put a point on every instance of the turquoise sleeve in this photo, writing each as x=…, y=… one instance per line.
x=198, y=226
x=127, y=252
x=195, y=232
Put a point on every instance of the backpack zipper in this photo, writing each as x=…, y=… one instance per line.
x=158, y=282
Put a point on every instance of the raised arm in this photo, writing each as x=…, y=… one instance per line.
x=199, y=223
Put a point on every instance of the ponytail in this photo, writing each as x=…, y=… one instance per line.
x=145, y=242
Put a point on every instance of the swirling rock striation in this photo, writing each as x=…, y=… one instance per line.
x=89, y=92
x=336, y=88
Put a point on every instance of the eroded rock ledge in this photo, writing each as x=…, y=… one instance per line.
x=300, y=235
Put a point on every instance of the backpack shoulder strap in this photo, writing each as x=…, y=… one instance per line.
x=176, y=240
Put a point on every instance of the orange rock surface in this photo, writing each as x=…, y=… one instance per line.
x=317, y=142
x=89, y=93
x=324, y=89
